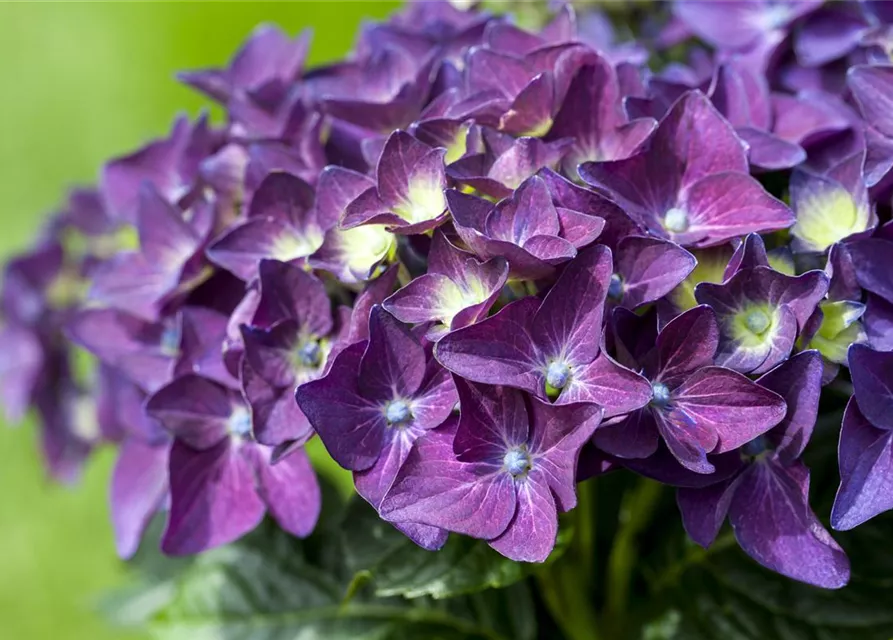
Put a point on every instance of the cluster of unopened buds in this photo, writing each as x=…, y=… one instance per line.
x=482, y=264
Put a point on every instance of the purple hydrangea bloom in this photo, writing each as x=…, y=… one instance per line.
x=168, y=263
x=456, y=291
x=501, y=473
x=761, y=312
x=352, y=254
x=268, y=57
x=526, y=229
x=221, y=480
x=766, y=501
x=170, y=165
x=691, y=184
x=830, y=207
x=376, y=399
x=696, y=408
x=282, y=224
x=592, y=115
x=505, y=163
x=865, y=451
x=551, y=348
x=737, y=25
x=408, y=193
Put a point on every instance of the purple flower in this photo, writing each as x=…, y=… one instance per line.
x=408, y=193
x=139, y=482
x=866, y=441
x=282, y=224
x=456, y=291
x=506, y=162
x=526, y=229
x=268, y=58
x=168, y=263
x=647, y=269
x=170, y=165
x=382, y=91
x=221, y=480
x=761, y=312
x=286, y=345
x=352, y=255
x=551, y=348
x=592, y=115
x=376, y=399
x=691, y=183
x=742, y=95
x=501, y=474
x=735, y=25
x=766, y=501
x=830, y=207
x=696, y=408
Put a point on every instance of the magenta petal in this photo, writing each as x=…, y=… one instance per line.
x=749, y=254
x=569, y=321
x=872, y=373
x=530, y=536
x=603, y=381
x=138, y=488
x=393, y=364
x=775, y=526
x=579, y=229
x=425, y=299
x=688, y=342
x=688, y=439
x=288, y=292
x=336, y=189
x=770, y=152
x=722, y=206
x=738, y=409
x=866, y=471
x=650, y=268
x=497, y=350
x=195, y=410
x=289, y=488
x=350, y=426
x=873, y=262
x=213, y=498
x=798, y=380
x=434, y=488
x=276, y=417
x=491, y=419
x=557, y=435
x=142, y=351
x=242, y=248
x=704, y=510
x=636, y=436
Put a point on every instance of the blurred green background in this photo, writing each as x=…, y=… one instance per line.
x=85, y=81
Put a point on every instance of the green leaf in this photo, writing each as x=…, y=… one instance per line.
x=271, y=586
x=375, y=550
x=727, y=596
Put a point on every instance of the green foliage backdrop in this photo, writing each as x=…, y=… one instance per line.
x=81, y=82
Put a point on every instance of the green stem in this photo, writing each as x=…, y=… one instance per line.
x=692, y=557
x=635, y=513
x=566, y=584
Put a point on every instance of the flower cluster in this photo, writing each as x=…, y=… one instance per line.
x=469, y=253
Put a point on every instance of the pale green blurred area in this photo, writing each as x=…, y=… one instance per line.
x=82, y=82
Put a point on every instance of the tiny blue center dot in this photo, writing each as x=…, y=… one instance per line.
x=615, y=287
x=557, y=375
x=240, y=423
x=660, y=394
x=757, y=321
x=517, y=462
x=170, y=341
x=397, y=412
x=309, y=353
x=676, y=221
